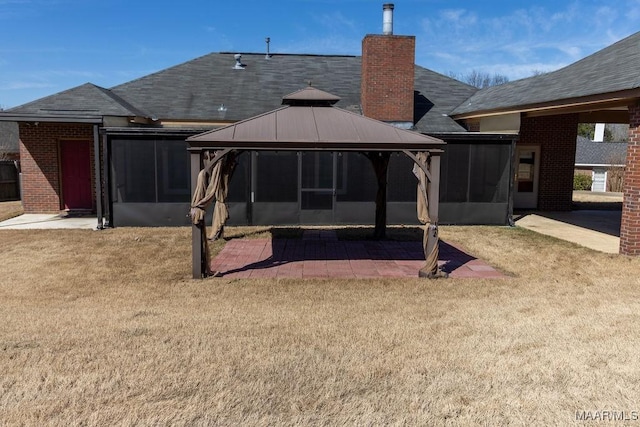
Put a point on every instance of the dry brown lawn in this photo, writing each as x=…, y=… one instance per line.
x=107, y=328
x=10, y=209
x=598, y=201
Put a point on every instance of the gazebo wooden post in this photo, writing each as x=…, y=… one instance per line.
x=380, y=162
x=197, y=232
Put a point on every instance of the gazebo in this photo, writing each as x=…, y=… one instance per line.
x=309, y=121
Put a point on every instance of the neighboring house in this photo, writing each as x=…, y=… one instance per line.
x=509, y=146
x=603, y=161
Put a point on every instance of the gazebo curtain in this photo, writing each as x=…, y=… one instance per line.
x=430, y=236
x=213, y=184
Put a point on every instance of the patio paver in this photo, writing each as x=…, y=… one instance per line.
x=322, y=255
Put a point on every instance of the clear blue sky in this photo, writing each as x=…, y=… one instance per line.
x=47, y=46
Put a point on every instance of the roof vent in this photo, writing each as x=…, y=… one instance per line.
x=268, y=40
x=239, y=65
x=387, y=19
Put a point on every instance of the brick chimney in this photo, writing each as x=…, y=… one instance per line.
x=388, y=64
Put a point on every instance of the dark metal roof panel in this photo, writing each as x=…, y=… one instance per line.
x=333, y=126
x=297, y=124
x=304, y=127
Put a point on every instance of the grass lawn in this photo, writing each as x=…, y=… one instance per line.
x=9, y=210
x=107, y=328
x=592, y=200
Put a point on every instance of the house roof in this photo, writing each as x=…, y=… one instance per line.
x=612, y=69
x=195, y=90
x=85, y=100
x=590, y=153
x=313, y=127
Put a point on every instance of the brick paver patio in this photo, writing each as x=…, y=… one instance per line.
x=320, y=254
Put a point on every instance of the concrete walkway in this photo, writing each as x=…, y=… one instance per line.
x=48, y=221
x=595, y=229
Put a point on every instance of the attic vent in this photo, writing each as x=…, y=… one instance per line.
x=239, y=65
x=268, y=40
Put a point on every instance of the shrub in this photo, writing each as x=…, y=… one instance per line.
x=581, y=182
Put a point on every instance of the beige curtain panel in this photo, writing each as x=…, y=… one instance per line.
x=430, y=236
x=213, y=184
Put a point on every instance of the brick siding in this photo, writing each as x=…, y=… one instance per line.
x=630, y=226
x=388, y=64
x=556, y=136
x=40, y=163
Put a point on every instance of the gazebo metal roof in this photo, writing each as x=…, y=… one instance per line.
x=312, y=123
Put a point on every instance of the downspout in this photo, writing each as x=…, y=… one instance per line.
x=512, y=180
x=98, y=176
x=197, y=232
x=106, y=179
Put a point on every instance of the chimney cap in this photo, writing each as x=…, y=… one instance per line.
x=387, y=19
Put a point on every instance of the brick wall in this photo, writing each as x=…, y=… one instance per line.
x=556, y=136
x=40, y=162
x=388, y=64
x=630, y=226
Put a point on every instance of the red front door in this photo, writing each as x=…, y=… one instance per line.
x=76, y=174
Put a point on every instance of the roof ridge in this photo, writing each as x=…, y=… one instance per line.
x=122, y=102
x=272, y=54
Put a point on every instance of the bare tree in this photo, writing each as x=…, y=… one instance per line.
x=479, y=79
x=615, y=173
x=612, y=132
x=618, y=132
x=8, y=140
